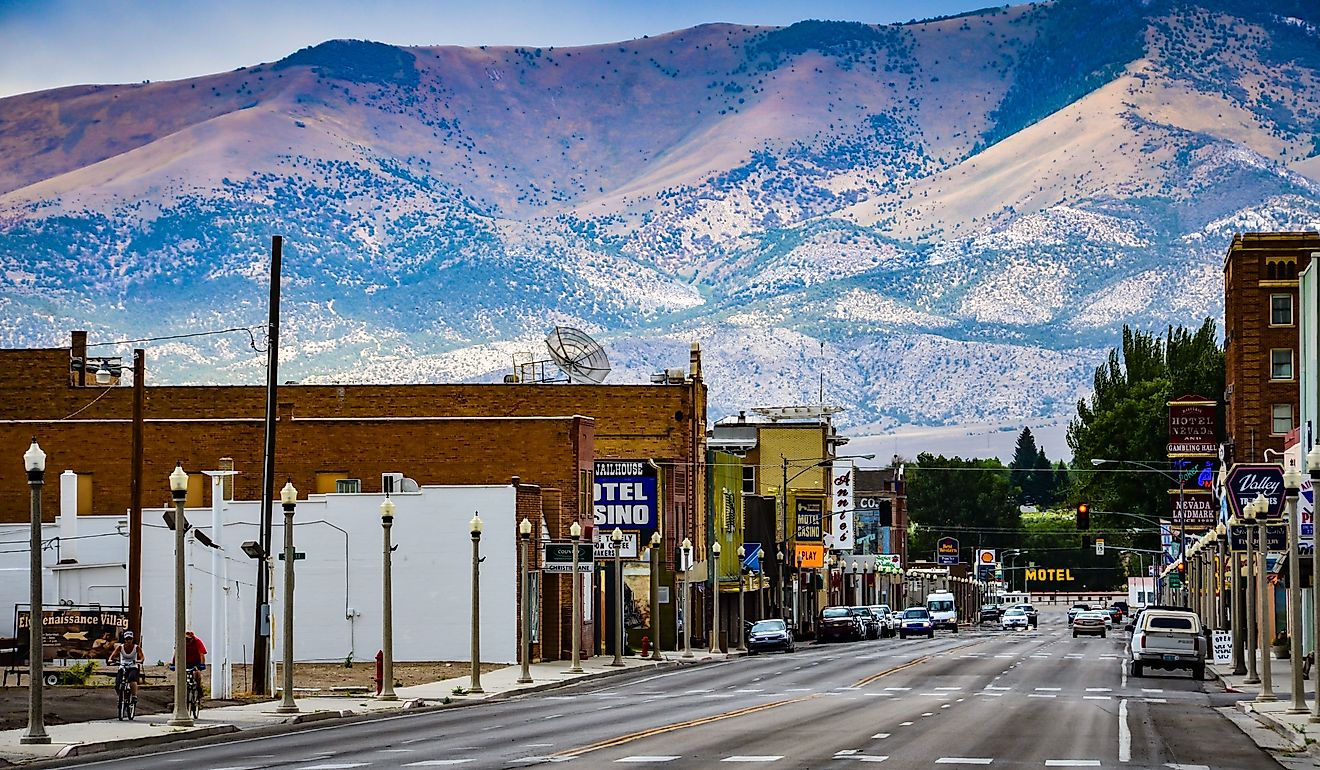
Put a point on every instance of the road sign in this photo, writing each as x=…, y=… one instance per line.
x=557, y=558
x=1174, y=579
x=751, y=557
x=1099, y=546
x=297, y=556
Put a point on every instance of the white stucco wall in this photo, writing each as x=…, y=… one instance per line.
x=432, y=575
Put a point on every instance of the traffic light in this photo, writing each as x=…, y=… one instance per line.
x=1083, y=516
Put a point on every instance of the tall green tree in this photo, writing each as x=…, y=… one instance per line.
x=1126, y=418
x=1023, y=468
x=970, y=499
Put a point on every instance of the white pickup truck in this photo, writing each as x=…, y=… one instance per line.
x=1167, y=639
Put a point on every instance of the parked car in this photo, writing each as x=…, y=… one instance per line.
x=1091, y=623
x=916, y=620
x=990, y=612
x=888, y=625
x=1115, y=614
x=870, y=622
x=1033, y=617
x=1168, y=640
x=839, y=623
x=771, y=634
x=1076, y=608
x=1014, y=617
x=1109, y=614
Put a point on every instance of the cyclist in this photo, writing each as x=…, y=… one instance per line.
x=194, y=657
x=128, y=656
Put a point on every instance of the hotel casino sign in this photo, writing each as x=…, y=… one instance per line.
x=1192, y=427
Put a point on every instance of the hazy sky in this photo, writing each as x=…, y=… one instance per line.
x=52, y=43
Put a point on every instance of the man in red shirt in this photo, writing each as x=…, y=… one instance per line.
x=194, y=653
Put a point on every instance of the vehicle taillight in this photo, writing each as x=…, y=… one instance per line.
x=1141, y=640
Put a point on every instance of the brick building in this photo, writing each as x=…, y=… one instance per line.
x=327, y=435
x=1261, y=340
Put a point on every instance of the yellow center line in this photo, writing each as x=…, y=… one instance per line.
x=622, y=739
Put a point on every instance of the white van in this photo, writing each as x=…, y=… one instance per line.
x=943, y=611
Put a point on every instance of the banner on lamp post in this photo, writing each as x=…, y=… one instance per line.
x=841, y=536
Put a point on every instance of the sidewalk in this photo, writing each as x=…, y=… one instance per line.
x=1296, y=732
x=105, y=735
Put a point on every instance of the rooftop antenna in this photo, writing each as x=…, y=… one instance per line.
x=579, y=356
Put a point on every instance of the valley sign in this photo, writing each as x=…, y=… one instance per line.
x=625, y=497
x=1246, y=481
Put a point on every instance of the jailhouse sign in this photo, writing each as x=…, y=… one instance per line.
x=625, y=496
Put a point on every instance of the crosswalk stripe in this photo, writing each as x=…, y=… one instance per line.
x=644, y=759
x=746, y=758
x=1072, y=763
x=964, y=760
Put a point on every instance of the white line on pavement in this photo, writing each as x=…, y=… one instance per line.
x=948, y=688
x=1151, y=689
x=439, y=762
x=1072, y=763
x=898, y=689
x=742, y=758
x=964, y=760
x=880, y=736
x=1048, y=689
x=862, y=757
x=1099, y=689
x=1124, y=734
x=1042, y=695
x=1097, y=697
x=906, y=724
x=640, y=758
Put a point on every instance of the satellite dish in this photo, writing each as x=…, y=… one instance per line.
x=577, y=354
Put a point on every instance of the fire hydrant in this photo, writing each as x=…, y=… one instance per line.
x=646, y=645
x=380, y=670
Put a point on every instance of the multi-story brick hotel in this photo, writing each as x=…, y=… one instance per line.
x=1261, y=340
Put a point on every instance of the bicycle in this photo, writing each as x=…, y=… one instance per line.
x=194, y=690
x=127, y=706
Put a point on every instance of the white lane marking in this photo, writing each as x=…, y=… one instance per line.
x=843, y=752
x=562, y=697
x=1099, y=689
x=743, y=758
x=749, y=690
x=879, y=736
x=798, y=689
x=960, y=700
x=1003, y=656
x=929, y=714
x=948, y=688
x=640, y=758
x=1040, y=656
x=1122, y=672
x=898, y=689
x=383, y=751
x=996, y=687
x=847, y=688
x=964, y=760
x=1152, y=689
x=536, y=745
x=439, y=762
x=946, y=705
x=689, y=692
x=336, y=766
x=906, y=724
x=1178, y=766
x=1097, y=697
x=1072, y=763
x=1048, y=689
x=552, y=716
x=1042, y=695
x=1154, y=700
x=1124, y=734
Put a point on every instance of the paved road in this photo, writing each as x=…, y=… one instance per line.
x=1033, y=699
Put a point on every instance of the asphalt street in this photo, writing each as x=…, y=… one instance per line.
x=1025, y=699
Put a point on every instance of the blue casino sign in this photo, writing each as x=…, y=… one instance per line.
x=625, y=496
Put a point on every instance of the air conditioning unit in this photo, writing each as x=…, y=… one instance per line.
x=348, y=486
x=391, y=483
x=676, y=375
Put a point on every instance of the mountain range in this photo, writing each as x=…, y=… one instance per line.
x=950, y=218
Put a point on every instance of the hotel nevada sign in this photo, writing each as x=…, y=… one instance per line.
x=1193, y=422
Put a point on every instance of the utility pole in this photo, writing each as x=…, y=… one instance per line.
x=135, y=495
x=261, y=623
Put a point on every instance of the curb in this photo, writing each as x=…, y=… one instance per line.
x=1274, y=725
x=79, y=749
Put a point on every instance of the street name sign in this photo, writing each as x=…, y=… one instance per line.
x=557, y=558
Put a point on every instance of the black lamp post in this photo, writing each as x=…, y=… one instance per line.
x=34, y=460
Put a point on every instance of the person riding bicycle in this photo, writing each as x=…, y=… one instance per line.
x=194, y=657
x=128, y=656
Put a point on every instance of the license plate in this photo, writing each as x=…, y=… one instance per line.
x=1170, y=657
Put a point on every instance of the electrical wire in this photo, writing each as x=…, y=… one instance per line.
x=252, y=339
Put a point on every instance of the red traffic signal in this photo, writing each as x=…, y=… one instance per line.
x=1083, y=516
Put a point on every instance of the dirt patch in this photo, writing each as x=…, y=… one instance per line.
x=65, y=704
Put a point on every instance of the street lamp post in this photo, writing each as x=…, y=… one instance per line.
x=525, y=537
x=1249, y=524
x=179, y=491
x=474, y=527
x=760, y=584
x=686, y=557
x=1313, y=467
x=387, y=603
x=34, y=461
x=742, y=601
x=1292, y=483
x=616, y=537
x=1238, y=621
x=715, y=600
x=289, y=500
x=575, y=535
x=781, y=581
x=1262, y=628
x=655, y=595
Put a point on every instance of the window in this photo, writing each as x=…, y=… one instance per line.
x=749, y=479
x=1282, y=421
x=1281, y=310
x=1281, y=364
x=84, y=494
x=348, y=486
